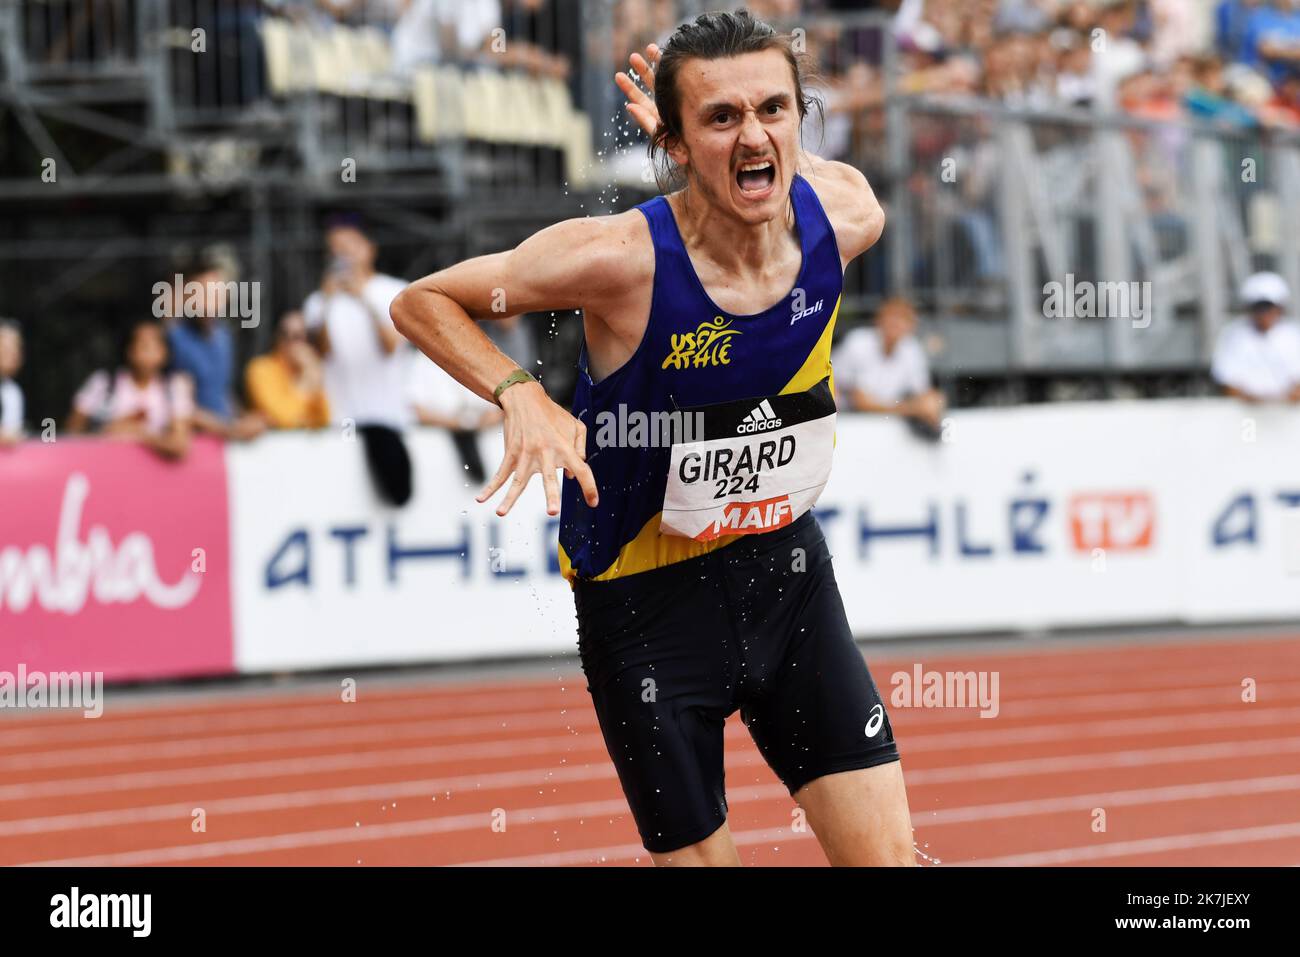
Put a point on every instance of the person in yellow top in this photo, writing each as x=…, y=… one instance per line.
x=286, y=385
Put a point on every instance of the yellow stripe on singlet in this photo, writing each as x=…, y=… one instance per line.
x=649, y=549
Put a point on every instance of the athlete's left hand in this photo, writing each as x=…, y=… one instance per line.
x=540, y=437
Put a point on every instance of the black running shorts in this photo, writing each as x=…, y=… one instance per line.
x=757, y=625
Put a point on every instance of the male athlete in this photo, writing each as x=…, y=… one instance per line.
x=701, y=578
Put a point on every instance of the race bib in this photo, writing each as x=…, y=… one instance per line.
x=760, y=464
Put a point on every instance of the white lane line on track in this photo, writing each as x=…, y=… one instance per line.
x=78, y=731
x=913, y=739
x=1150, y=845
x=281, y=801
x=1246, y=716
x=1068, y=763
x=618, y=808
x=285, y=740
x=288, y=767
x=622, y=853
x=918, y=720
x=1212, y=696
x=282, y=767
x=1139, y=679
x=235, y=714
x=959, y=815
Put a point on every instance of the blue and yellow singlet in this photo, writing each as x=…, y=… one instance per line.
x=693, y=354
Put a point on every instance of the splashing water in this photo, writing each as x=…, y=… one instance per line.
x=925, y=856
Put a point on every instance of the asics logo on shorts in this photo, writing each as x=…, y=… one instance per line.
x=876, y=720
x=760, y=419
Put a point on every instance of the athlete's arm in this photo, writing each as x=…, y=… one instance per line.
x=575, y=264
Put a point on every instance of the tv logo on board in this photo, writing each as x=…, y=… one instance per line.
x=1114, y=521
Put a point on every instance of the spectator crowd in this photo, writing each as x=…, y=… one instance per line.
x=1231, y=61
x=1235, y=61
x=337, y=361
x=441, y=31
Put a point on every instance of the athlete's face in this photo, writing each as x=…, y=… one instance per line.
x=740, y=132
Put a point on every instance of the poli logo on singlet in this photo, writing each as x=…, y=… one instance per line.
x=708, y=345
x=759, y=465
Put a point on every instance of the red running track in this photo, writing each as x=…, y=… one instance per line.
x=1155, y=735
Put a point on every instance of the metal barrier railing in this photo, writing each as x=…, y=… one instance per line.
x=1001, y=204
x=335, y=88
x=78, y=39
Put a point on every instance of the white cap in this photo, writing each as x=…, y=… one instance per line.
x=1265, y=287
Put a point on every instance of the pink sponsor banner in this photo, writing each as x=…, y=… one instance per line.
x=114, y=560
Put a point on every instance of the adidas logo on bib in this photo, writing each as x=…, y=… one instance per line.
x=760, y=419
x=758, y=466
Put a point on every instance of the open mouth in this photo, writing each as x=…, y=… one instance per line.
x=756, y=177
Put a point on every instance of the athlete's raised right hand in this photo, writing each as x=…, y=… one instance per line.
x=540, y=436
x=639, y=104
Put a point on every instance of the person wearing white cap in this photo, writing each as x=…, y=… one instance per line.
x=1257, y=358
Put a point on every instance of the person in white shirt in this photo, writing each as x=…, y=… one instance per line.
x=364, y=356
x=433, y=31
x=11, y=396
x=884, y=369
x=348, y=316
x=1257, y=358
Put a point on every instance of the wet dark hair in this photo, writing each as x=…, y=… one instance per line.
x=715, y=36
